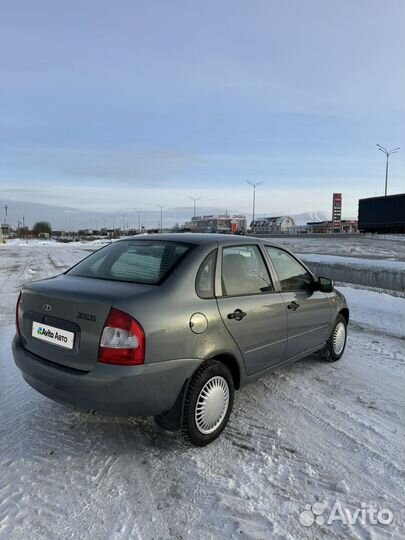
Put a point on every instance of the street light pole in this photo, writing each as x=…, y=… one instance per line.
x=387, y=153
x=195, y=199
x=139, y=219
x=254, y=185
x=161, y=215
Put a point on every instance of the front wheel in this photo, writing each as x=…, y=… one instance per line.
x=208, y=403
x=335, y=346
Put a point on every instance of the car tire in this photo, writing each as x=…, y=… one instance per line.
x=207, y=404
x=336, y=344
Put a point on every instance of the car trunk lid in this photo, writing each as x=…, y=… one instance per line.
x=62, y=318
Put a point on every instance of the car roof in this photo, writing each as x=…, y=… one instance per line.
x=201, y=238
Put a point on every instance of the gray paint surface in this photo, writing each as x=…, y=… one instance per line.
x=268, y=335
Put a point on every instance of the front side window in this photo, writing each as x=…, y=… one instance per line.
x=146, y=262
x=291, y=274
x=244, y=271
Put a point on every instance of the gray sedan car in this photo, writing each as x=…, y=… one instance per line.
x=170, y=325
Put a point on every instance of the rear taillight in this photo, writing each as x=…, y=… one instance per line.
x=17, y=322
x=122, y=341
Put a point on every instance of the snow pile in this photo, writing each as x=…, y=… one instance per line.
x=378, y=273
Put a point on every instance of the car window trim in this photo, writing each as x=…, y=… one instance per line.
x=249, y=294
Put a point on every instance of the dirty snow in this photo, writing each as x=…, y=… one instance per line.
x=386, y=247
x=378, y=264
x=305, y=433
x=382, y=274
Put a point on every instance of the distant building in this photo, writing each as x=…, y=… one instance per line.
x=328, y=227
x=5, y=229
x=89, y=232
x=225, y=224
x=273, y=225
x=58, y=234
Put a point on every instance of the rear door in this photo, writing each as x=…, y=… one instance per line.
x=308, y=310
x=252, y=311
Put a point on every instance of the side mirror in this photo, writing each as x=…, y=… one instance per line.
x=325, y=284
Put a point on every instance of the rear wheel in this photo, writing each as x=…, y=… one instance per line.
x=208, y=403
x=335, y=346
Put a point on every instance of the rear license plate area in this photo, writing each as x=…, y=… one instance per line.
x=53, y=335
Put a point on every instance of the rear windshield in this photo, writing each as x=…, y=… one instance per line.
x=135, y=261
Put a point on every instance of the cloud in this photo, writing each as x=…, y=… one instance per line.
x=148, y=105
x=117, y=201
x=132, y=164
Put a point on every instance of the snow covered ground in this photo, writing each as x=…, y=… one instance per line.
x=370, y=260
x=312, y=432
x=387, y=247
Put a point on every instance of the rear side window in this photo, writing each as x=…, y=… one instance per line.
x=146, y=262
x=205, y=278
x=291, y=274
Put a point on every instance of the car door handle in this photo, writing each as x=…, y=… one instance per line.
x=294, y=306
x=238, y=315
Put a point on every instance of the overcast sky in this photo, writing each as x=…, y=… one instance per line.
x=109, y=106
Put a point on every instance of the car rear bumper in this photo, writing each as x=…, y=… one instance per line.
x=110, y=390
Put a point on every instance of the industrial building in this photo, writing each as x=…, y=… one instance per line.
x=273, y=225
x=235, y=224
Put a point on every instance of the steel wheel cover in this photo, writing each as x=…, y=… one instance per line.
x=212, y=405
x=339, y=338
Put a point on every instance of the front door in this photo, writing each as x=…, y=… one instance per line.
x=308, y=310
x=253, y=312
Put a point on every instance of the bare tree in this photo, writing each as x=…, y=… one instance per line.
x=42, y=227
